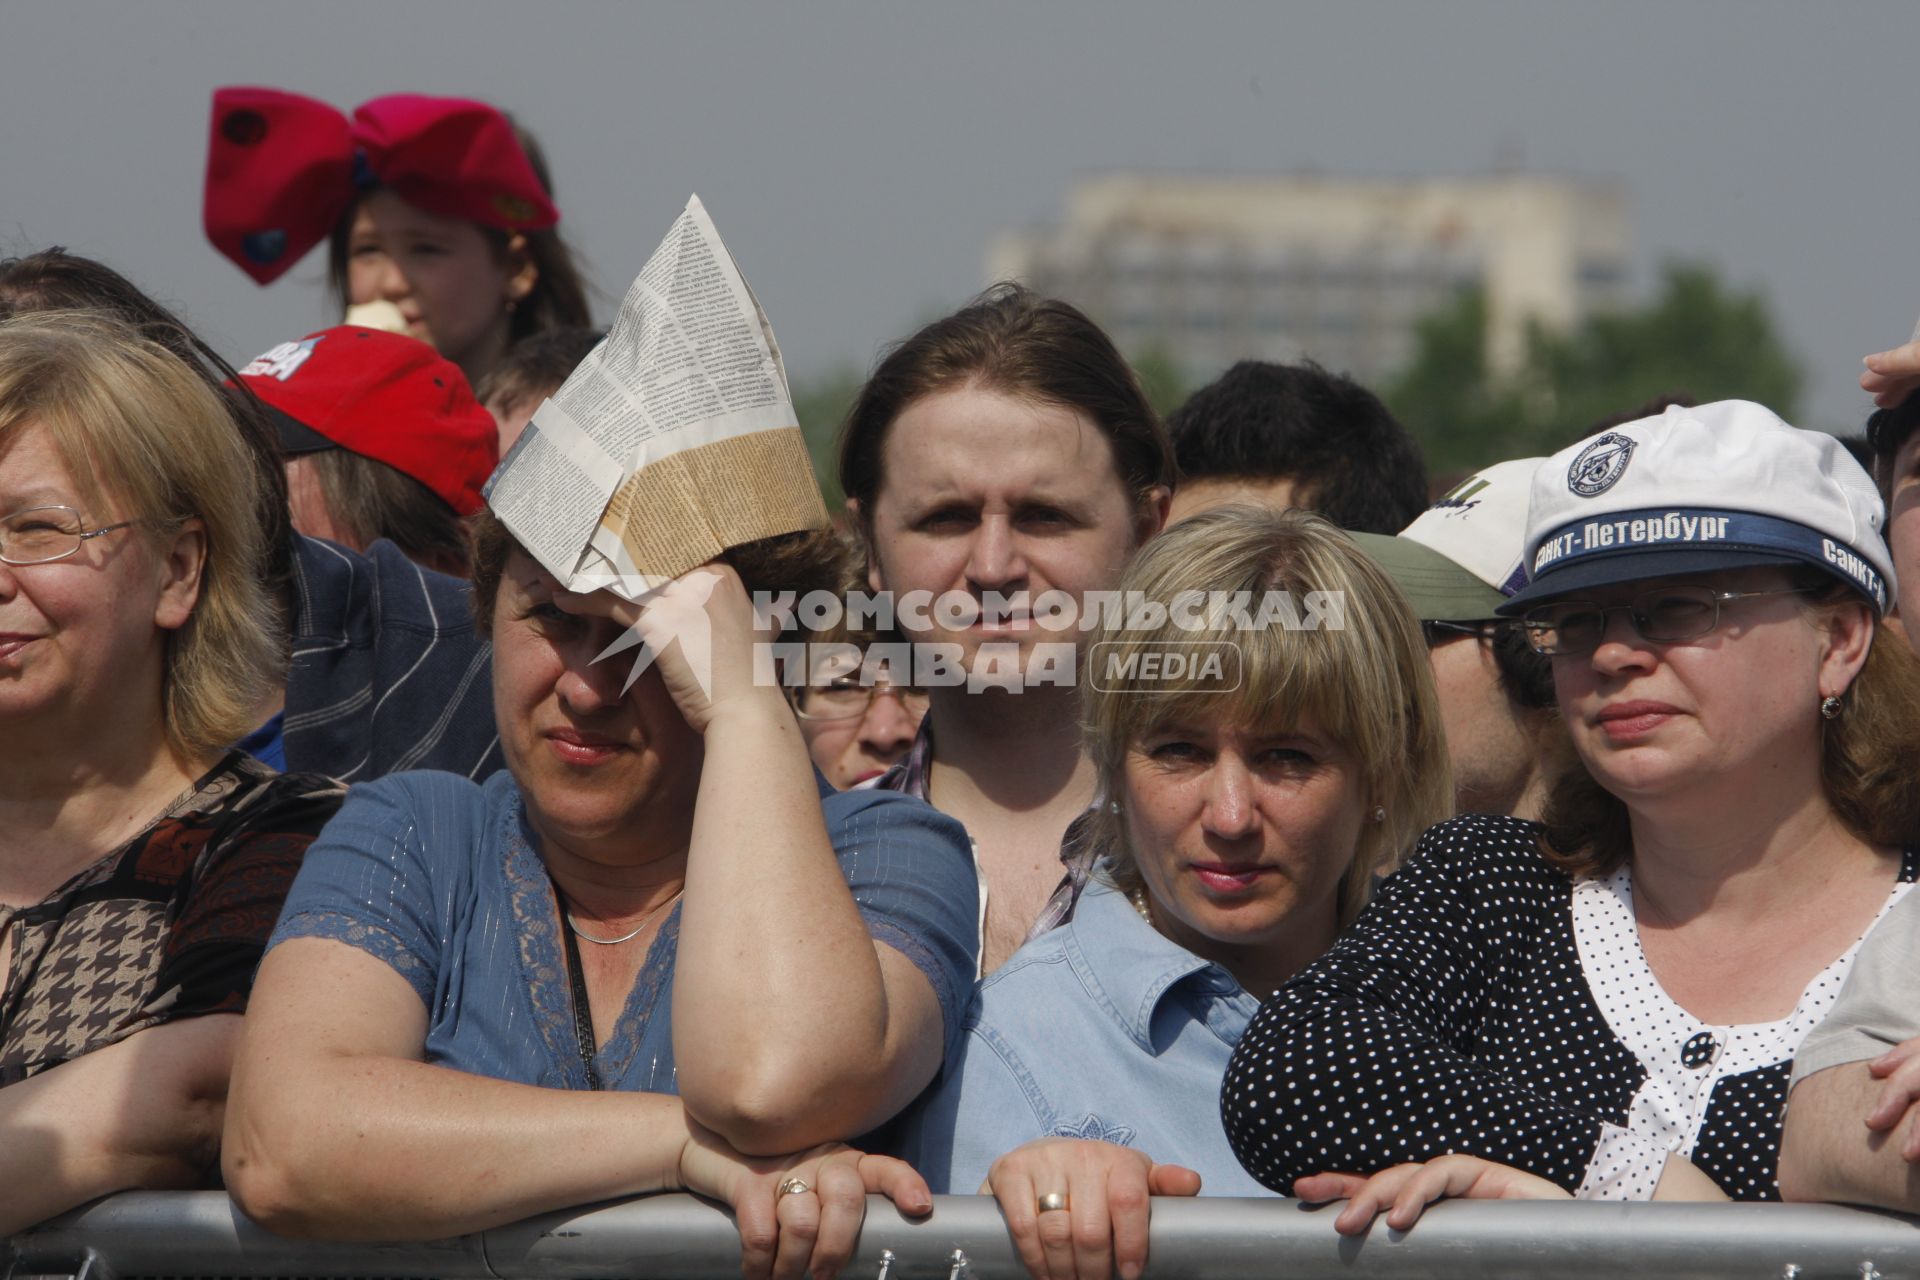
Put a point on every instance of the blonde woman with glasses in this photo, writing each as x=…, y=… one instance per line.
x=142, y=859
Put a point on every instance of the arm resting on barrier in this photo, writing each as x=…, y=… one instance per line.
x=143, y=1113
x=1850, y=1132
x=1404, y=1191
x=1830, y=1152
x=1684, y=1180
x=336, y=1128
x=1219, y=1238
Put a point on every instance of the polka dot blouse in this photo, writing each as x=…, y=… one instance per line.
x=1489, y=1003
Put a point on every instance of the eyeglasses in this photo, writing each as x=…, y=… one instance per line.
x=1438, y=633
x=1671, y=614
x=39, y=535
x=846, y=699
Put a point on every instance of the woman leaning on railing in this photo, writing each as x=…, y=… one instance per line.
x=630, y=963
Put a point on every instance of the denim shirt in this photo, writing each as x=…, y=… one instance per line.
x=1101, y=1028
x=440, y=878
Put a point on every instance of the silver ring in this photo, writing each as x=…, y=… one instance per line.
x=1051, y=1202
x=795, y=1187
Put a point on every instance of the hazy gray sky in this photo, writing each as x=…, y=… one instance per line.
x=858, y=157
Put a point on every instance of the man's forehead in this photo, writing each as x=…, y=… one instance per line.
x=1061, y=451
x=1056, y=489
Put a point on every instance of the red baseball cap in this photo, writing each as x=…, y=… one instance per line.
x=383, y=396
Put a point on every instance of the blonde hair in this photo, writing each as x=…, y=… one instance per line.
x=1358, y=669
x=136, y=427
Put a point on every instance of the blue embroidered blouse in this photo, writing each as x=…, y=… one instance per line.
x=439, y=877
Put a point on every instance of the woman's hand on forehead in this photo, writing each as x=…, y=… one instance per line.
x=700, y=629
x=676, y=599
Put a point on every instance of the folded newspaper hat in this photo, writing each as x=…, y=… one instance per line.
x=384, y=396
x=1462, y=557
x=1717, y=486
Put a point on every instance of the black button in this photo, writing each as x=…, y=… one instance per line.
x=1699, y=1050
x=244, y=128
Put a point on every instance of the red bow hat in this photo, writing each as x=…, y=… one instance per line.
x=388, y=397
x=282, y=170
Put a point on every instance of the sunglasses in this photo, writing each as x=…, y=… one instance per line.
x=1438, y=633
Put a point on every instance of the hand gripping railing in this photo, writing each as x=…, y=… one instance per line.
x=201, y=1234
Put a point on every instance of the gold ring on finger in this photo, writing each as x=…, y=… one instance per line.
x=1051, y=1201
x=795, y=1187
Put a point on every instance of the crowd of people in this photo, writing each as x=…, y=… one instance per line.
x=1550, y=837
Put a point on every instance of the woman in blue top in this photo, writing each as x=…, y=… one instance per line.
x=1264, y=752
x=482, y=1001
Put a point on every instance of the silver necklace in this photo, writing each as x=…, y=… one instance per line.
x=645, y=920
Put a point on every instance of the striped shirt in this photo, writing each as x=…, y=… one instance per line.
x=389, y=671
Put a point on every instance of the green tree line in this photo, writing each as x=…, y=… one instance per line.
x=1695, y=337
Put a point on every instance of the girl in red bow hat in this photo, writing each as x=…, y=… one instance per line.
x=440, y=206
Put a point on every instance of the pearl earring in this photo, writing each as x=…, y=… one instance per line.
x=1379, y=813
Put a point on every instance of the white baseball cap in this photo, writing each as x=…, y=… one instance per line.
x=1716, y=486
x=1462, y=557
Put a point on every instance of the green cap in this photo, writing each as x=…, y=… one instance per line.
x=1440, y=589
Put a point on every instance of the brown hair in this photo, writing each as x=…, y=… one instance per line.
x=559, y=295
x=369, y=500
x=536, y=365
x=1010, y=340
x=1866, y=757
x=133, y=423
x=1364, y=680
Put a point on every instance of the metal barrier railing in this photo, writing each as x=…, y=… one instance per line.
x=154, y=1234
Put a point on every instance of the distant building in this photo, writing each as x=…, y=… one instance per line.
x=1209, y=271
